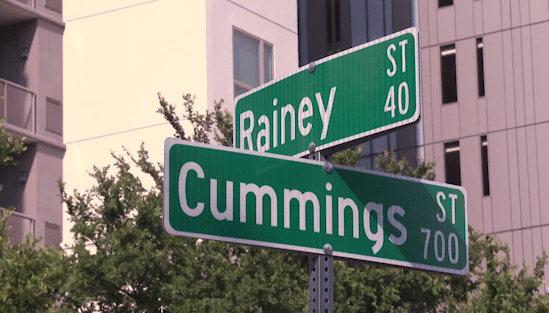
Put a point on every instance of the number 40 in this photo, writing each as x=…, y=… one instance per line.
x=402, y=105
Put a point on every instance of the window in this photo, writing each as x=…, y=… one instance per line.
x=252, y=62
x=333, y=25
x=480, y=67
x=452, y=163
x=325, y=27
x=448, y=71
x=443, y=3
x=484, y=156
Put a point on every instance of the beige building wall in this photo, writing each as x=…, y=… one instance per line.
x=513, y=114
x=119, y=54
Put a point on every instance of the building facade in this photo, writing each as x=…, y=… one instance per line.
x=483, y=69
x=485, y=118
x=31, y=102
x=486, y=113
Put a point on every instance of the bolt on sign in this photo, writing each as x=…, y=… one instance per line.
x=357, y=93
x=292, y=204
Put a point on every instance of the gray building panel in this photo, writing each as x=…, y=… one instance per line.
x=31, y=43
x=512, y=114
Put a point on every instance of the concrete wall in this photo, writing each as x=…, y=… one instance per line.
x=513, y=114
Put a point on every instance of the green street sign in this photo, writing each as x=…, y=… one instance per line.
x=357, y=93
x=293, y=204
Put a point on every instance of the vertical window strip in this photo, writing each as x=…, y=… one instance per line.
x=484, y=160
x=452, y=163
x=329, y=26
x=448, y=73
x=480, y=67
x=337, y=21
x=444, y=3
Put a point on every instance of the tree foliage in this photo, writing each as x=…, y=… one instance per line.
x=123, y=261
x=347, y=157
x=201, y=123
x=388, y=163
x=31, y=276
x=493, y=284
x=9, y=147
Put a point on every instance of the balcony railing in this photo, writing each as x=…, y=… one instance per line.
x=18, y=105
x=21, y=225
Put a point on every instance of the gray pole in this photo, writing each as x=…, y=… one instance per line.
x=419, y=126
x=321, y=285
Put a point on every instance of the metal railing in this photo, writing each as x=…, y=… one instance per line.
x=21, y=225
x=18, y=105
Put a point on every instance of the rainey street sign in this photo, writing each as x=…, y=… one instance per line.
x=360, y=92
x=280, y=202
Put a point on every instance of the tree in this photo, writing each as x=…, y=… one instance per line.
x=123, y=261
x=493, y=284
x=201, y=123
x=31, y=276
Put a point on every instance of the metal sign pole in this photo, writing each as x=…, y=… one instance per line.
x=321, y=284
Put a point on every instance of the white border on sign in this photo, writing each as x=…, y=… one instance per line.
x=413, y=119
x=168, y=143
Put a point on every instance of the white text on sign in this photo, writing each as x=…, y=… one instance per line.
x=403, y=104
x=439, y=241
x=292, y=199
x=267, y=137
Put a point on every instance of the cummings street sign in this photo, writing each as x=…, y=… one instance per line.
x=350, y=95
x=293, y=204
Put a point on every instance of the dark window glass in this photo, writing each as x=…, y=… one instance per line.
x=246, y=59
x=238, y=91
x=337, y=20
x=448, y=71
x=329, y=20
x=252, y=62
x=480, y=67
x=334, y=24
x=452, y=163
x=484, y=156
x=443, y=3
x=267, y=63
